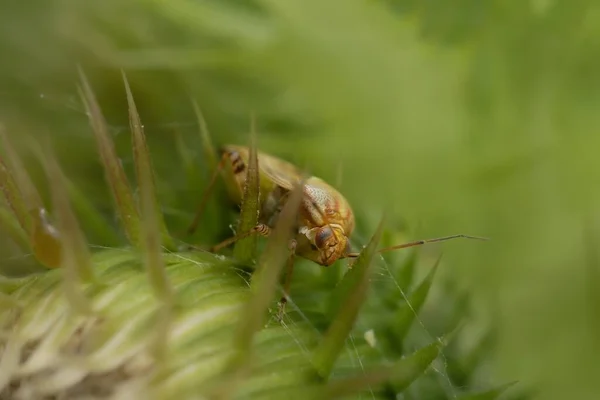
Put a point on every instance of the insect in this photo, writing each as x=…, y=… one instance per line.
x=325, y=219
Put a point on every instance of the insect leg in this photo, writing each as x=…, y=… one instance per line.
x=211, y=184
x=288, y=279
x=260, y=229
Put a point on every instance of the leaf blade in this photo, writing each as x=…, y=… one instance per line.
x=114, y=173
x=245, y=249
x=143, y=165
x=401, y=374
x=352, y=293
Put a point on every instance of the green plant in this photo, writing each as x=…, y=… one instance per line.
x=468, y=116
x=153, y=320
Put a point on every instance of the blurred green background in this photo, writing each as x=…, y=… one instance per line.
x=472, y=116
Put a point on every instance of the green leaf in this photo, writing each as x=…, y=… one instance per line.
x=410, y=368
x=14, y=197
x=350, y=295
x=115, y=175
x=207, y=145
x=10, y=225
x=268, y=271
x=405, y=274
x=75, y=258
x=44, y=238
x=31, y=197
x=143, y=165
x=400, y=374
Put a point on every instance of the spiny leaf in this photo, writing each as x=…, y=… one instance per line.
x=352, y=292
x=189, y=165
x=143, y=164
x=82, y=204
x=97, y=223
x=407, y=312
x=349, y=282
x=207, y=145
x=75, y=257
x=245, y=249
x=488, y=394
x=10, y=224
x=73, y=238
x=153, y=228
x=407, y=372
x=404, y=274
x=152, y=221
x=14, y=197
x=31, y=197
x=200, y=333
x=215, y=168
x=268, y=271
x=43, y=236
x=115, y=176
x=401, y=374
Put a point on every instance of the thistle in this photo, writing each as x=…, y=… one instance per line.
x=150, y=320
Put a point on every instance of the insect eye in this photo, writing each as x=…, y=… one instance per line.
x=323, y=236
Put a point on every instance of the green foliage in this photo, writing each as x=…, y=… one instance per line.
x=245, y=249
x=471, y=117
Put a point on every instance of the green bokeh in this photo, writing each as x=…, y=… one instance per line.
x=479, y=117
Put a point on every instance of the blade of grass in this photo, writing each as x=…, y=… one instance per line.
x=263, y=288
x=75, y=255
x=352, y=293
x=402, y=373
x=344, y=288
x=245, y=249
x=143, y=164
x=268, y=271
x=115, y=175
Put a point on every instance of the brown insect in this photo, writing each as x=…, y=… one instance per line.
x=325, y=219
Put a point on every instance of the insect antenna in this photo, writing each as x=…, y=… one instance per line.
x=207, y=192
x=419, y=243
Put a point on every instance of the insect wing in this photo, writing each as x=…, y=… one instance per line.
x=274, y=169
